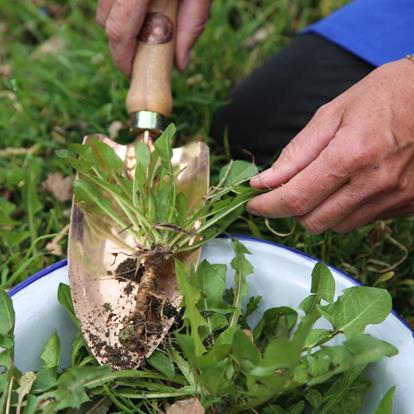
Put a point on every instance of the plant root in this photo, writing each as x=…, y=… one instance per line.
x=152, y=306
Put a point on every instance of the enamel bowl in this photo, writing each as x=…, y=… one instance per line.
x=282, y=277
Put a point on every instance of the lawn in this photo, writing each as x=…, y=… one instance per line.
x=57, y=83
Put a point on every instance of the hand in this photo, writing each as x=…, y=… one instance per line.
x=123, y=19
x=353, y=162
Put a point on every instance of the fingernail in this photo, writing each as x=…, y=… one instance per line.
x=251, y=210
x=258, y=179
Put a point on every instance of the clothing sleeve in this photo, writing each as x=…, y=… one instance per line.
x=378, y=31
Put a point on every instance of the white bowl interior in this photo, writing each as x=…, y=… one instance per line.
x=282, y=277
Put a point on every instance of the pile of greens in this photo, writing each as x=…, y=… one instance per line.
x=282, y=365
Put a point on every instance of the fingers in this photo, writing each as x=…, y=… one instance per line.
x=191, y=19
x=308, y=188
x=359, y=191
x=382, y=207
x=123, y=24
x=304, y=148
x=102, y=12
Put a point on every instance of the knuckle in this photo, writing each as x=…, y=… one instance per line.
x=113, y=31
x=341, y=229
x=288, y=152
x=389, y=182
x=358, y=157
x=325, y=111
x=313, y=225
x=296, y=204
x=100, y=18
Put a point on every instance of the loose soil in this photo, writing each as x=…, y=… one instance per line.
x=142, y=330
x=129, y=269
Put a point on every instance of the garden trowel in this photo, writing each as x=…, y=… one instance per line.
x=102, y=301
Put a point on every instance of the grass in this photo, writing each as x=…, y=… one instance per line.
x=49, y=99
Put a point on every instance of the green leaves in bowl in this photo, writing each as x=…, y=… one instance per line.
x=286, y=363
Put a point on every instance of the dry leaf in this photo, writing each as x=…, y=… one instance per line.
x=97, y=58
x=11, y=152
x=190, y=406
x=54, y=246
x=260, y=35
x=114, y=129
x=57, y=185
x=193, y=80
x=5, y=70
x=53, y=45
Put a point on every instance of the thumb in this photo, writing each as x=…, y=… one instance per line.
x=303, y=149
x=192, y=16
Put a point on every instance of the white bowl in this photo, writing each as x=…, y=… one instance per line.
x=282, y=277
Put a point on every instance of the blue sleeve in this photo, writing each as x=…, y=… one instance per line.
x=378, y=31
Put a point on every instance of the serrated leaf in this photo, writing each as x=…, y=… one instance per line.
x=183, y=366
x=72, y=385
x=252, y=305
x=356, y=308
x=51, y=352
x=385, y=406
x=242, y=268
x=191, y=296
x=162, y=363
x=323, y=283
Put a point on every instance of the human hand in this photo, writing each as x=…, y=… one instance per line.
x=123, y=19
x=353, y=162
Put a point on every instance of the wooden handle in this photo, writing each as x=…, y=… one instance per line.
x=150, y=88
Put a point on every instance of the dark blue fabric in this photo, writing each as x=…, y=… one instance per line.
x=378, y=31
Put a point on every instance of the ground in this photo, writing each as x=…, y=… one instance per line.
x=57, y=84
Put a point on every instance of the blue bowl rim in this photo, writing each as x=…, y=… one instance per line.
x=61, y=263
